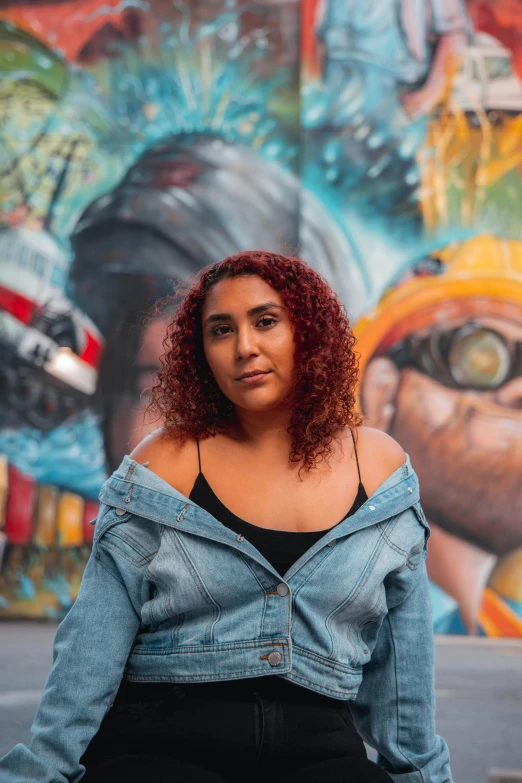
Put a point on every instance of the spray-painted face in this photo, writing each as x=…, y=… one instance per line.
x=442, y=373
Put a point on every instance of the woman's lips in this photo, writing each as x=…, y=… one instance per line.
x=254, y=378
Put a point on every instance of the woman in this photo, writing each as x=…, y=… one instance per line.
x=187, y=202
x=263, y=648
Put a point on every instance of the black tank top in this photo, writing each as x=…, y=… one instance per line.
x=282, y=548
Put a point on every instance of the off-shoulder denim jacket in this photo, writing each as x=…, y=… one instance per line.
x=170, y=594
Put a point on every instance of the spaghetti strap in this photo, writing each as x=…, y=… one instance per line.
x=356, y=457
x=199, y=456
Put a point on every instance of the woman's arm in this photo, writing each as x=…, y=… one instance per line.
x=91, y=647
x=395, y=707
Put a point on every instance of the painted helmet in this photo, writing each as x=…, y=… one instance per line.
x=430, y=317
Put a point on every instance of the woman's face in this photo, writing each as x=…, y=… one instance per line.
x=247, y=327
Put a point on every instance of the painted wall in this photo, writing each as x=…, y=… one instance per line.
x=142, y=139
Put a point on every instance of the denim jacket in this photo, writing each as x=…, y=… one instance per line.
x=170, y=594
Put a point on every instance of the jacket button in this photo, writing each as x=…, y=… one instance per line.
x=120, y=512
x=275, y=658
x=282, y=589
x=332, y=542
x=372, y=508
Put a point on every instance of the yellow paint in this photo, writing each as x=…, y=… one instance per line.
x=70, y=520
x=506, y=577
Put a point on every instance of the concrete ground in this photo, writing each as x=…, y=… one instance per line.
x=478, y=685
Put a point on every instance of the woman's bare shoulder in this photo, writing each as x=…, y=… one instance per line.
x=379, y=456
x=157, y=443
x=165, y=454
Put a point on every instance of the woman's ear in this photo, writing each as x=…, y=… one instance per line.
x=379, y=393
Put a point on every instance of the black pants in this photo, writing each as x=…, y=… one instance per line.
x=255, y=729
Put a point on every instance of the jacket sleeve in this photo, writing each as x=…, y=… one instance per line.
x=90, y=650
x=395, y=706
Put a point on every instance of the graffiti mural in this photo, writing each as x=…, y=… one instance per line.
x=412, y=129
x=142, y=142
x=144, y=139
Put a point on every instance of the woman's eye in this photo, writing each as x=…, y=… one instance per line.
x=216, y=332
x=223, y=326
x=267, y=318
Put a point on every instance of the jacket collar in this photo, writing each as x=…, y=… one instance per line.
x=135, y=489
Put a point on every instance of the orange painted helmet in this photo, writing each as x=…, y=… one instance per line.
x=477, y=277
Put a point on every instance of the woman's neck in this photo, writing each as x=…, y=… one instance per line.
x=265, y=429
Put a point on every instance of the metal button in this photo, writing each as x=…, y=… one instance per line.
x=332, y=542
x=282, y=589
x=410, y=489
x=275, y=658
x=120, y=512
x=372, y=508
x=240, y=538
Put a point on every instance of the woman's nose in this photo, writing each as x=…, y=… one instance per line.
x=246, y=342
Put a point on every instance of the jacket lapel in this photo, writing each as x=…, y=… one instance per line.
x=135, y=489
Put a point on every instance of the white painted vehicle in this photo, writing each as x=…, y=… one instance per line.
x=486, y=79
x=50, y=350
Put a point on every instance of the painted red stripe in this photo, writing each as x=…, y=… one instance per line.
x=92, y=351
x=20, y=506
x=17, y=305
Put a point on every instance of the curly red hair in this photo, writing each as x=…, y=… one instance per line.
x=322, y=400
